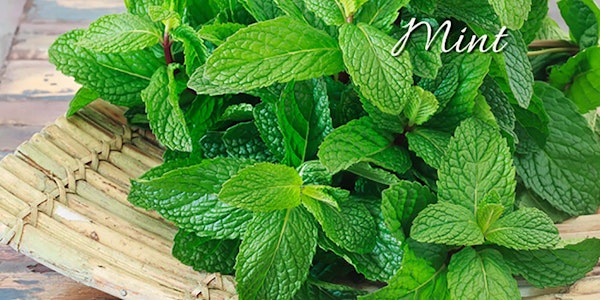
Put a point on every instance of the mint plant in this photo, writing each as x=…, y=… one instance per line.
x=304, y=155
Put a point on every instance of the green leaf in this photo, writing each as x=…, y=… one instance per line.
x=262, y=10
x=167, y=120
x=531, y=126
x=401, y=203
x=483, y=112
x=278, y=50
x=194, y=50
x=330, y=11
x=488, y=214
x=140, y=7
x=263, y=187
x=350, y=226
x=378, y=265
x=528, y=198
x=313, y=172
x=428, y=144
x=187, y=197
x=365, y=170
x=500, y=106
x=578, y=78
x=554, y=267
x=325, y=194
x=383, y=79
x=218, y=33
x=421, y=108
x=243, y=140
x=118, y=78
x=319, y=290
x=82, y=98
x=417, y=280
x=304, y=118
x=583, y=18
x=481, y=275
x=265, y=119
x=205, y=253
x=456, y=88
x=513, y=66
x=212, y=145
x=535, y=20
x=120, y=33
x=477, y=162
x=550, y=30
x=524, y=229
x=275, y=254
x=297, y=9
x=426, y=61
x=380, y=14
x=566, y=169
x=361, y=141
x=446, y=223
x=512, y=13
x=393, y=123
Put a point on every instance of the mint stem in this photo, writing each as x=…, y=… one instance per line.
x=167, y=49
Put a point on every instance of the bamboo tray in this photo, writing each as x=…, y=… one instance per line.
x=63, y=202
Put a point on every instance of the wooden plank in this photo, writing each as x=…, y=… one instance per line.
x=35, y=80
x=10, y=15
x=23, y=278
x=31, y=112
x=12, y=136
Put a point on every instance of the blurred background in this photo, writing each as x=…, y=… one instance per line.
x=32, y=95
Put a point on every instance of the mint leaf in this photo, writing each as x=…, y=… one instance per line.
x=383, y=79
x=325, y=194
x=204, y=253
x=262, y=10
x=275, y=254
x=535, y=20
x=578, y=78
x=554, y=267
x=365, y=170
x=446, y=223
x=140, y=7
x=550, y=30
x=319, y=290
x=527, y=198
x=330, y=11
x=350, y=226
x=218, y=33
x=118, y=78
x=120, y=33
x=313, y=172
x=426, y=61
x=263, y=187
x=456, y=88
x=304, y=119
x=265, y=119
x=417, y=279
x=82, y=98
x=531, y=126
x=498, y=101
x=481, y=275
x=378, y=265
x=297, y=9
x=401, y=203
x=380, y=14
x=167, y=120
x=477, y=162
x=512, y=13
x=421, y=108
x=248, y=58
x=488, y=214
x=393, y=123
x=194, y=50
x=583, y=18
x=569, y=182
x=243, y=140
x=514, y=68
x=428, y=144
x=361, y=141
x=187, y=197
x=524, y=229
x=212, y=145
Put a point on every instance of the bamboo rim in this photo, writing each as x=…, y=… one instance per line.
x=63, y=202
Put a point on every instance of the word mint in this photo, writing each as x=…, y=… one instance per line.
x=446, y=26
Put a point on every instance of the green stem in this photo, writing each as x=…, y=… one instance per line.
x=553, y=50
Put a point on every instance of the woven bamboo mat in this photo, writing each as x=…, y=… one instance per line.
x=63, y=202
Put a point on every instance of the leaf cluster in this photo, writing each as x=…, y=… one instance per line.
x=300, y=151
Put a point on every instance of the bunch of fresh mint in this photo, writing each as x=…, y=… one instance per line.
x=306, y=159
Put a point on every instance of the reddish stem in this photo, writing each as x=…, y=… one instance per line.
x=167, y=49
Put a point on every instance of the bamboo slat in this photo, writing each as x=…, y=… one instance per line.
x=63, y=202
